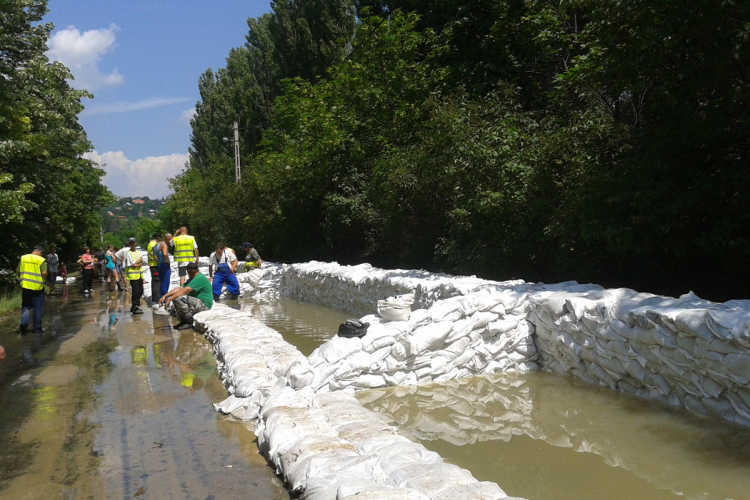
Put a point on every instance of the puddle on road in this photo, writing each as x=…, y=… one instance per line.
x=116, y=405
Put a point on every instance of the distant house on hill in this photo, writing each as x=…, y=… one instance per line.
x=128, y=204
x=139, y=201
x=122, y=217
x=118, y=208
x=111, y=214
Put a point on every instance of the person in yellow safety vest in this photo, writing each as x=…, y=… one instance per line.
x=152, y=264
x=252, y=259
x=134, y=274
x=32, y=271
x=185, y=251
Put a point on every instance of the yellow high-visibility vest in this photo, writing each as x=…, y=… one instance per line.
x=31, y=272
x=152, y=262
x=132, y=272
x=183, y=248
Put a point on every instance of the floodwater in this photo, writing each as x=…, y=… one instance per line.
x=302, y=324
x=542, y=436
x=110, y=405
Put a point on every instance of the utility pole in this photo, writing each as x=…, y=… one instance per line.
x=101, y=234
x=237, y=173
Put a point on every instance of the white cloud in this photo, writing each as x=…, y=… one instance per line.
x=146, y=177
x=187, y=115
x=124, y=107
x=82, y=53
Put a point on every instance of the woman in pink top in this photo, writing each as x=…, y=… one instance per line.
x=87, y=269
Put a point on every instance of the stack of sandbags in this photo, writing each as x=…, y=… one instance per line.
x=685, y=351
x=479, y=333
x=328, y=446
x=251, y=358
x=358, y=288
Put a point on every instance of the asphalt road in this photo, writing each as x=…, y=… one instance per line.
x=110, y=405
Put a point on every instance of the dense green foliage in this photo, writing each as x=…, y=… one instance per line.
x=49, y=194
x=546, y=140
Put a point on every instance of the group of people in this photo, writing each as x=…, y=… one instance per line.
x=123, y=268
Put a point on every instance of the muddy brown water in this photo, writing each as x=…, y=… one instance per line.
x=120, y=407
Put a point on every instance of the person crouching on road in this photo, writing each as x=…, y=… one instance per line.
x=134, y=275
x=161, y=251
x=225, y=264
x=32, y=271
x=252, y=259
x=189, y=299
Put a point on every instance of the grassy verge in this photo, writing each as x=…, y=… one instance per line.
x=10, y=302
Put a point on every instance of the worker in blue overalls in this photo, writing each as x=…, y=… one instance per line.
x=222, y=266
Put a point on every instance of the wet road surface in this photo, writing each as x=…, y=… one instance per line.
x=110, y=405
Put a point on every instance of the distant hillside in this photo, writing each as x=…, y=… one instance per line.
x=126, y=210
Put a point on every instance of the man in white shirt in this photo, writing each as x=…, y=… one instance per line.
x=224, y=262
x=120, y=264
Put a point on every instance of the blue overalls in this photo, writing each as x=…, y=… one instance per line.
x=224, y=274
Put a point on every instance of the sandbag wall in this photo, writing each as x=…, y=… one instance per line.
x=686, y=352
x=358, y=288
x=325, y=446
x=683, y=352
x=476, y=334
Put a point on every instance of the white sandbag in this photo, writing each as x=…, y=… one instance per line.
x=299, y=374
x=396, y=308
x=339, y=348
x=429, y=336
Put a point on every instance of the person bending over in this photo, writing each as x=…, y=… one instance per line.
x=192, y=297
x=252, y=259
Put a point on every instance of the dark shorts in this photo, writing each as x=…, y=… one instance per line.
x=182, y=271
x=51, y=277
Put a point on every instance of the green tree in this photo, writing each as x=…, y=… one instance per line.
x=41, y=164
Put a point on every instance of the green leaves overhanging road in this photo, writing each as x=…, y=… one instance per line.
x=547, y=140
x=49, y=194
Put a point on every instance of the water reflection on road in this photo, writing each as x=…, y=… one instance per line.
x=110, y=405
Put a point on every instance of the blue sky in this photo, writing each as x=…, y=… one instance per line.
x=142, y=59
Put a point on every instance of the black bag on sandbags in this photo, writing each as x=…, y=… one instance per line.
x=353, y=328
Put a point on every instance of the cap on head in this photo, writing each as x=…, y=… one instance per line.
x=192, y=266
x=40, y=248
x=247, y=244
x=157, y=235
x=131, y=240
